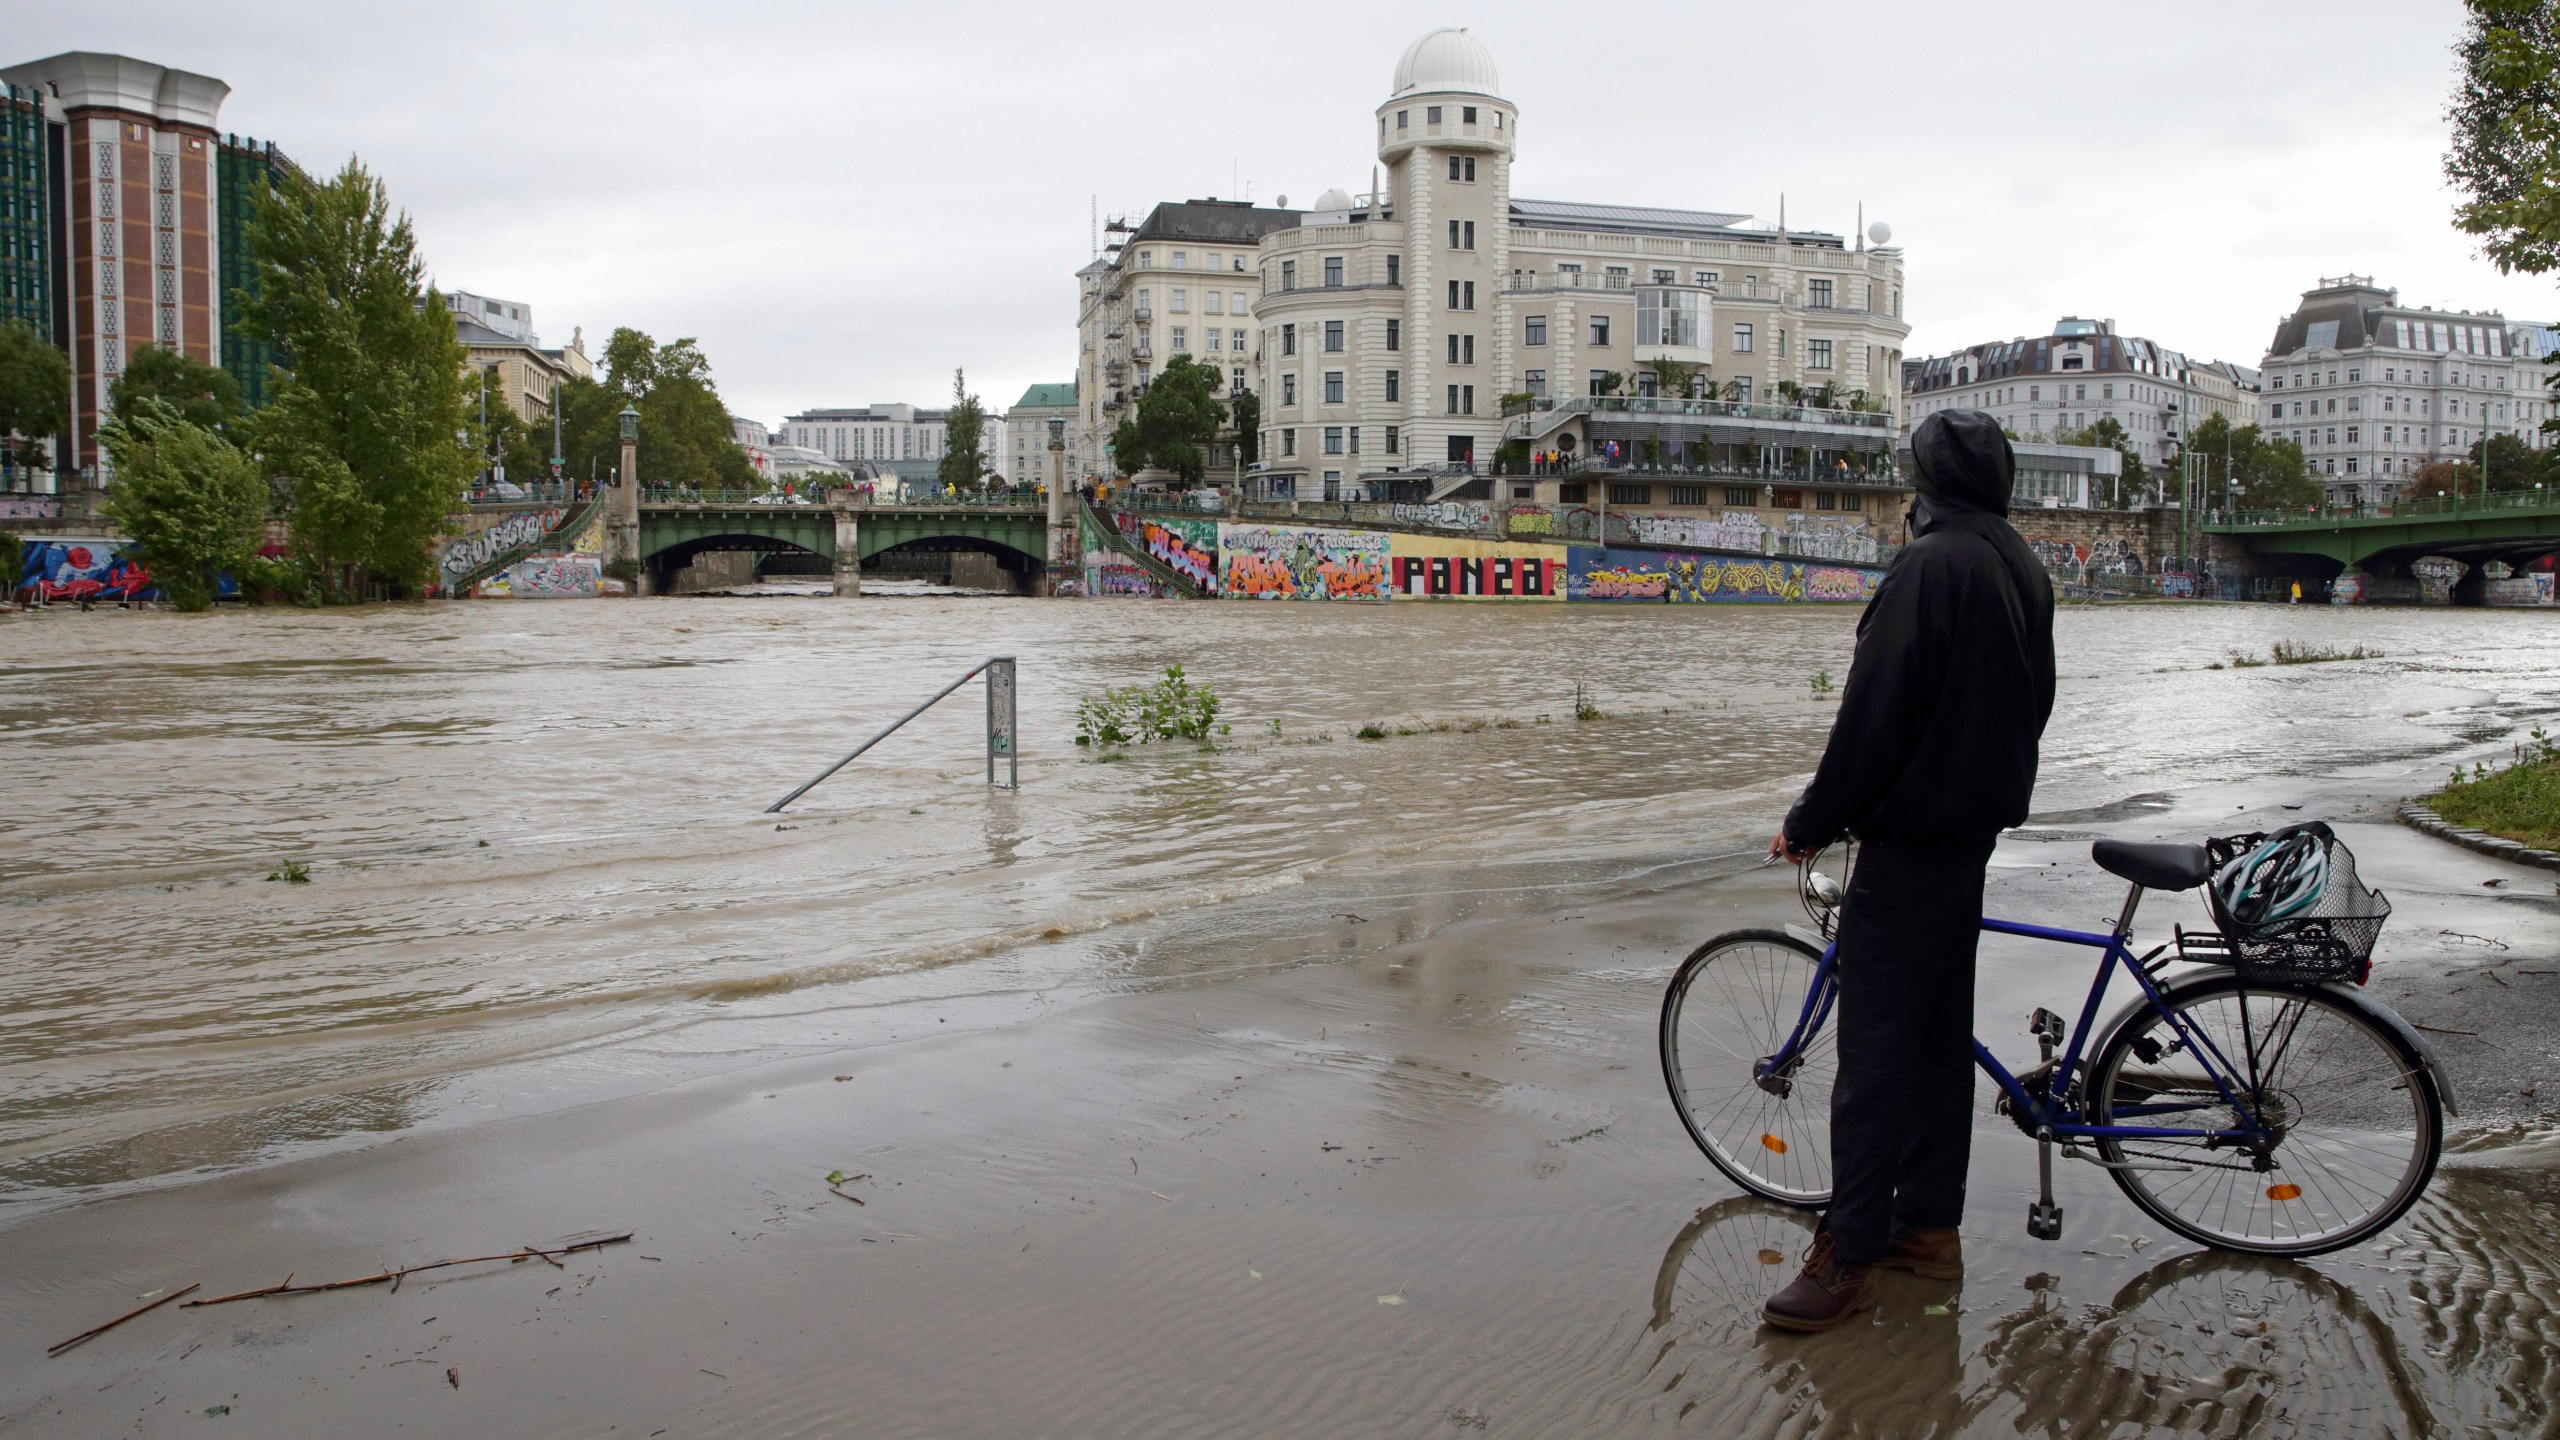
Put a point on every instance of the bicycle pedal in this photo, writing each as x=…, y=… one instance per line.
x=2044, y=1220
x=2045, y=1026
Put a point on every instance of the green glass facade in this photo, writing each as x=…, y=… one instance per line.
x=26, y=231
x=243, y=169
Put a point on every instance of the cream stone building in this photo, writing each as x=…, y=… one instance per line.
x=2082, y=373
x=1388, y=330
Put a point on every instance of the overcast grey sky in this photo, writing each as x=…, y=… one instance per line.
x=844, y=201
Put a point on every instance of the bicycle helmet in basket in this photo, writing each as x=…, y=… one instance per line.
x=2279, y=878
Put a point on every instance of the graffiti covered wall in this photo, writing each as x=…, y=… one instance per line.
x=546, y=577
x=1107, y=571
x=1301, y=562
x=73, y=567
x=466, y=553
x=1190, y=547
x=1430, y=567
x=1659, y=577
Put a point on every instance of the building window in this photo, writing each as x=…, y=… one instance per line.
x=1180, y=257
x=1453, y=234
x=1395, y=385
x=1596, y=378
x=1453, y=294
x=2034, y=393
x=1599, y=330
x=1817, y=354
x=1214, y=336
x=1288, y=339
x=1666, y=277
x=1146, y=259
x=1333, y=272
x=1235, y=339
x=2351, y=434
x=1636, y=494
x=1333, y=387
x=1466, y=399
x=1787, y=499
x=1395, y=269
x=1400, y=118
x=1453, y=400
x=1333, y=439
x=1355, y=439
x=1288, y=442
x=1288, y=389
x=1391, y=440
x=1181, y=302
x=1537, y=330
x=1288, y=274
x=1181, y=345
x=1535, y=382
x=1333, y=336
x=1741, y=495
x=1431, y=114
x=1212, y=302
x=1818, y=294
x=1741, y=339
x=1688, y=494
x=1467, y=113
x=1462, y=167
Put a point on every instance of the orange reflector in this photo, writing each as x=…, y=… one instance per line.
x=1773, y=1144
x=1771, y=1257
x=2284, y=1192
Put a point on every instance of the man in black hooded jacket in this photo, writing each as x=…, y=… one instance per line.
x=1932, y=755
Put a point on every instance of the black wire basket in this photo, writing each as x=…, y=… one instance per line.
x=2334, y=940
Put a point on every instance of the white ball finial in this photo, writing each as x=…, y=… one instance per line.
x=1879, y=233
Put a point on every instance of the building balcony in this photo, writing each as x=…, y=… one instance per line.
x=1145, y=314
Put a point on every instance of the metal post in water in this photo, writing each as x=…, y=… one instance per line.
x=1000, y=722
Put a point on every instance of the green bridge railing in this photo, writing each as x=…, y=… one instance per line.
x=2432, y=507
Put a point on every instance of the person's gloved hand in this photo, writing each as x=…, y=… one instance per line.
x=1779, y=849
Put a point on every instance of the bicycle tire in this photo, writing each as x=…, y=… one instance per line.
x=2329, y=1187
x=1776, y=1146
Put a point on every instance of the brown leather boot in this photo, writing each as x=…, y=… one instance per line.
x=1827, y=1293
x=1929, y=1254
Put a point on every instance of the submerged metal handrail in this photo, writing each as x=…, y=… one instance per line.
x=999, y=673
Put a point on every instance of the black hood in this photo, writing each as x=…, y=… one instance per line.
x=1964, y=461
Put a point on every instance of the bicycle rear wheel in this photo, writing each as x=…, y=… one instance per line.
x=2358, y=1123
x=1734, y=1001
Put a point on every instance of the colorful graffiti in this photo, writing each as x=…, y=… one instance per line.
x=1733, y=530
x=81, y=569
x=1190, y=547
x=1433, y=567
x=1529, y=520
x=1107, y=571
x=1656, y=576
x=1292, y=562
x=2436, y=576
x=546, y=577
x=470, y=552
x=30, y=507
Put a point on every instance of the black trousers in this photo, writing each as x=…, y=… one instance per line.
x=1902, y=1111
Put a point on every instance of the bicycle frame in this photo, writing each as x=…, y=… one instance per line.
x=2048, y=1114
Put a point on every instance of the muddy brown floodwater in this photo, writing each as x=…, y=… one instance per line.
x=1300, y=1086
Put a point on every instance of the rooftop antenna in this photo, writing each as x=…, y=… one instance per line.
x=1862, y=224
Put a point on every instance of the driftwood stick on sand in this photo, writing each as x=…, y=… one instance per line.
x=95, y=1331
x=393, y=1277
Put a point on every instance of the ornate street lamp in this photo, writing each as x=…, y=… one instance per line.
x=630, y=419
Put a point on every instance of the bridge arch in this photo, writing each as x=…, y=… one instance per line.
x=1014, y=539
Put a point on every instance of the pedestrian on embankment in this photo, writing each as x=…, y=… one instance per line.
x=1932, y=755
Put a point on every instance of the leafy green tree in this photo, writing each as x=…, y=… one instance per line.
x=194, y=505
x=508, y=437
x=685, y=435
x=2250, y=468
x=2505, y=462
x=204, y=395
x=1177, y=419
x=35, y=393
x=964, y=433
x=2506, y=132
x=1244, y=415
x=369, y=423
x=2109, y=434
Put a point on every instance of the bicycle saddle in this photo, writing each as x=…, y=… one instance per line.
x=2154, y=866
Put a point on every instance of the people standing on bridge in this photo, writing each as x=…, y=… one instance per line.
x=1932, y=755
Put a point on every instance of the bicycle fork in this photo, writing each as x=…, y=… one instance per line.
x=2044, y=1218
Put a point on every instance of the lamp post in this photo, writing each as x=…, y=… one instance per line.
x=626, y=501
x=1057, y=499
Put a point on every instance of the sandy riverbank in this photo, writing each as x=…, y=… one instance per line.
x=1432, y=1187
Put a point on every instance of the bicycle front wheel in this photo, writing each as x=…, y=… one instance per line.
x=1735, y=1000
x=2358, y=1125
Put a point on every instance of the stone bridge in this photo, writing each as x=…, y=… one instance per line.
x=2517, y=527
x=848, y=534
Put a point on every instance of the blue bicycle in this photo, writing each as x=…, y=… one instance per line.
x=2262, y=1102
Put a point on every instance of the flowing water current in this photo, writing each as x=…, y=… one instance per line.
x=535, y=829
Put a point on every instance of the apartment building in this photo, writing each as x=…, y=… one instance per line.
x=1183, y=281
x=1392, y=326
x=1024, y=460
x=2374, y=390
x=2082, y=373
x=897, y=438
